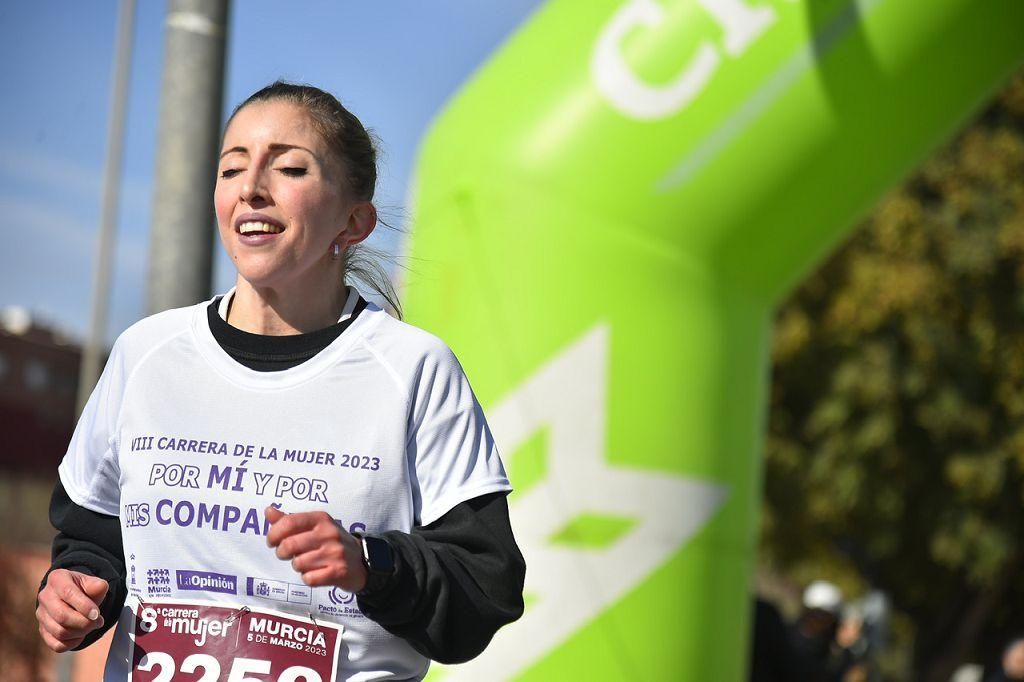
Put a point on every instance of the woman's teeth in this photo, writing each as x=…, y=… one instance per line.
x=254, y=227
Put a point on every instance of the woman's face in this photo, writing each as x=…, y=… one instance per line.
x=280, y=200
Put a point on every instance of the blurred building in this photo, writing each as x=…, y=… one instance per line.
x=38, y=380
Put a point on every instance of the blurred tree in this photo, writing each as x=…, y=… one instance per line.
x=895, y=454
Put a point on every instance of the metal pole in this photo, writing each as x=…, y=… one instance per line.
x=181, y=245
x=93, y=350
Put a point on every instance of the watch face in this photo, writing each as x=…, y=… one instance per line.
x=379, y=555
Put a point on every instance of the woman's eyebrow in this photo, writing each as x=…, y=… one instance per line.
x=275, y=147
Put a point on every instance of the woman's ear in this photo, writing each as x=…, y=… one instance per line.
x=361, y=222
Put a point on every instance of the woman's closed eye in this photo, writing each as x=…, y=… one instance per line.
x=293, y=171
x=230, y=172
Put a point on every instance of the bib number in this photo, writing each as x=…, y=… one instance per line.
x=205, y=642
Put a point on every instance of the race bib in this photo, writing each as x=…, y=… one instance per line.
x=196, y=641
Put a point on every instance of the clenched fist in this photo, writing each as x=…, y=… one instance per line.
x=69, y=608
x=323, y=552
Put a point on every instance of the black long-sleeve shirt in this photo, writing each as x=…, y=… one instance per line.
x=457, y=580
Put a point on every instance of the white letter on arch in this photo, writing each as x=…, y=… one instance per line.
x=633, y=97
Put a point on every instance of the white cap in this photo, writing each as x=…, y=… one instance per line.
x=15, y=319
x=821, y=594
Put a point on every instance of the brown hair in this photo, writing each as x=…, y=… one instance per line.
x=353, y=145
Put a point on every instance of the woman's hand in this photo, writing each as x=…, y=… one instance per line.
x=69, y=608
x=322, y=551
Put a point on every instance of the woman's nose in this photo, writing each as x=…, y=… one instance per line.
x=253, y=185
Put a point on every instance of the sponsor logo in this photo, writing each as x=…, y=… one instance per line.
x=158, y=581
x=300, y=594
x=340, y=597
x=338, y=603
x=207, y=582
x=277, y=590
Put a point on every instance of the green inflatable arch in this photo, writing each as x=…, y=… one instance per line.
x=605, y=217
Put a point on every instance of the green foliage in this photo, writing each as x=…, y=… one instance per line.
x=895, y=454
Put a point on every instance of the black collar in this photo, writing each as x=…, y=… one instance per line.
x=274, y=353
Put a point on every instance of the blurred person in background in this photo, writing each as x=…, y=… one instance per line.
x=815, y=634
x=853, y=647
x=829, y=641
x=1012, y=663
x=773, y=658
x=862, y=634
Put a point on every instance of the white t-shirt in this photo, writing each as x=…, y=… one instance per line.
x=187, y=446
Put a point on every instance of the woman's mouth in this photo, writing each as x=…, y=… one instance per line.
x=257, y=227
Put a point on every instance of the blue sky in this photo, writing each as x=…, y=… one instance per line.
x=394, y=64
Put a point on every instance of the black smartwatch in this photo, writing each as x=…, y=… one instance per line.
x=379, y=560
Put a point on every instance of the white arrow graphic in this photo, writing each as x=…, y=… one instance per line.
x=571, y=585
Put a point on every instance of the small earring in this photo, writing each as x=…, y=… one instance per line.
x=336, y=250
